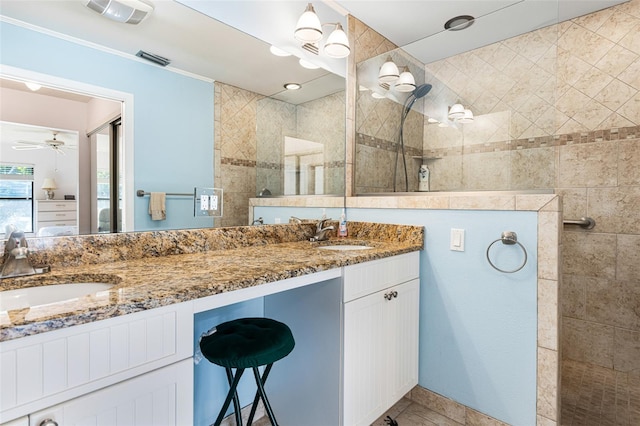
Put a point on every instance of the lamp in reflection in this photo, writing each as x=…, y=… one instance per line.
x=309, y=32
x=49, y=184
x=458, y=113
x=405, y=82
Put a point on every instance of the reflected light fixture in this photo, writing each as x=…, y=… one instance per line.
x=308, y=65
x=292, y=86
x=467, y=117
x=456, y=111
x=388, y=72
x=309, y=32
x=34, y=87
x=405, y=82
x=126, y=11
x=278, y=52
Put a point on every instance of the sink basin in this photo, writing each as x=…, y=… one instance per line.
x=345, y=247
x=35, y=296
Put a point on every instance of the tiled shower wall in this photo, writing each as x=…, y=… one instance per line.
x=235, y=150
x=559, y=108
x=249, y=143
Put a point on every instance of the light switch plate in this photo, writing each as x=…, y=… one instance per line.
x=457, y=239
x=207, y=202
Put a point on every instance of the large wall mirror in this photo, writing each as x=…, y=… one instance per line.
x=167, y=121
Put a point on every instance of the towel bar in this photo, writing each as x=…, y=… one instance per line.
x=142, y=193
x=584, y=222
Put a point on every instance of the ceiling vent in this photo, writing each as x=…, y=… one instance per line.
x=126, y=11
x=156, y=59
x=311, y=48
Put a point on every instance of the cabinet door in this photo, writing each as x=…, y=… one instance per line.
x=364, y=359
x=402, y=341
x=162, y=397
x=380, y=351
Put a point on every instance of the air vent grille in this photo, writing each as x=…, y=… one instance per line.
x=311, y=48
x=156, y=59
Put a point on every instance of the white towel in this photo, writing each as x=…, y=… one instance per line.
x=157, y=209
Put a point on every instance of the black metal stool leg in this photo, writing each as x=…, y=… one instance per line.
x=261, y=393
x=231, y=395
x=236, y=400
x=254, y=406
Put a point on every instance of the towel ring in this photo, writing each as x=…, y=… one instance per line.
x=509, y=238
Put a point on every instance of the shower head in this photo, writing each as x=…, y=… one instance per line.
x=422, y=90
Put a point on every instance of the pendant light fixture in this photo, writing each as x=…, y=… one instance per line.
x=337, y=45
x=126, y=11
x=388, y=72
x=309, y=28
x=405, y=82
x=309, y=32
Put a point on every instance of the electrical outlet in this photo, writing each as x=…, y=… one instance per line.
x=207, y=202
x=457, y=239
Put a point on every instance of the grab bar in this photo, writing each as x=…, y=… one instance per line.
x=142, y=193
x=584, y=222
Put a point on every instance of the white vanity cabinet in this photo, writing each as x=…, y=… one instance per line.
x=100, y=367
x=161, y=397
x=381, y=304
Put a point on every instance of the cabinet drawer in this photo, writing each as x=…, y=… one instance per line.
x=56, y=206
x=366, y=278
x=57, y=216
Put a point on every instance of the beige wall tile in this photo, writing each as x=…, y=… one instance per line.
x=628, y=261
x=549, y=245
x=543, y=421
x=548, y=314
x=590, y=255
x=612, y=302
x=439, y=404
x=533, y=168
x=627, y=350
x=588, y=342
x=629, y=162
x=615, y=210
x=548, y=383
x=588, y=165
x=574, y=295
x=574, y=202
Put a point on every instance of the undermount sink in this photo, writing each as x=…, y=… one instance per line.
x=36, y=296
x=345, y=247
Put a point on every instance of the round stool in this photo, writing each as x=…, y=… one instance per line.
x=247, y=343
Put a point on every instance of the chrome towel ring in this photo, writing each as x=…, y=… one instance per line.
x=509, y=238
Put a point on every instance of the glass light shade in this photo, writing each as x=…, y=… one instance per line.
x=308, y=28
x=388, y=72
x=456, y=111
x=49, y=183
x=337, y=45
x=467, y=117
x=406, y=82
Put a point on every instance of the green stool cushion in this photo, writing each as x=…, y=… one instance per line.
x=247, y=342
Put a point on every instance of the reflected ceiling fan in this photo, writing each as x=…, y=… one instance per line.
x=53, y=144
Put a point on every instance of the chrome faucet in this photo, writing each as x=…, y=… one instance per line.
x=322, y=232
x=16, y=262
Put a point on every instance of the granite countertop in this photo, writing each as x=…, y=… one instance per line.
x=152, y=282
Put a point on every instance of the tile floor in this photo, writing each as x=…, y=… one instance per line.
x=593, y=395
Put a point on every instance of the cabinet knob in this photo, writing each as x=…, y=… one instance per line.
x=48, y=422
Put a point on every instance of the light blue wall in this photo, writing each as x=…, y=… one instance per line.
x=477, y=325
x=173, y=113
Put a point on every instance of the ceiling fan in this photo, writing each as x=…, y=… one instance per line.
x=54, y=144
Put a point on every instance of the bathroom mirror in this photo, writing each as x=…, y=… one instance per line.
x=171, y=139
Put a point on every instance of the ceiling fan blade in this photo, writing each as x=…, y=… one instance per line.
x=41, y=144
x=26, y=147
